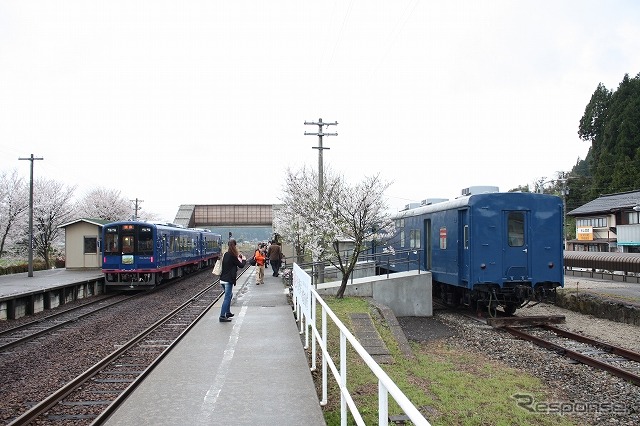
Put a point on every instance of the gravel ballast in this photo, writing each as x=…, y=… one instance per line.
x=593, y=396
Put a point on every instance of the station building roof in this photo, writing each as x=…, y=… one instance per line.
x=609, y=203
x=97, y=222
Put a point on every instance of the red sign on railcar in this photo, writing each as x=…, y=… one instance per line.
x=443, y=238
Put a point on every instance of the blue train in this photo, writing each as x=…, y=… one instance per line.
x=139, y=255
x=485, y=250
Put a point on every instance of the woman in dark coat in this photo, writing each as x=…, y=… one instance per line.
x=231, y=261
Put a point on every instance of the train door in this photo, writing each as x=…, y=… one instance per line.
x=464, y=258
x=427, y=245
x=161, y=247
x=516, y=259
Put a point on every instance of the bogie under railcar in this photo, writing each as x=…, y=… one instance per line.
x=139, y=255
x=486, y=250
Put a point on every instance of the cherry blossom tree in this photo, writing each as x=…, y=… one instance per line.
x=14, y=202
x=295, y=223
x=52, y=206
x=105, y=204
x=355, y=213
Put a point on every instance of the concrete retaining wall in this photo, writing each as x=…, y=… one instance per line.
x=407, y=294
x=600, y=307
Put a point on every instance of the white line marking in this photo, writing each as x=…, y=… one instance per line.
x=211, y=397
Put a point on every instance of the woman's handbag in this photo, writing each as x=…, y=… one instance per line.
x=217, y=269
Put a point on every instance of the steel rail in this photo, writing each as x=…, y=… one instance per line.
x=69, y=310
x=20, y=340
x=42, y=407
x=584, y=359
x=631, y=355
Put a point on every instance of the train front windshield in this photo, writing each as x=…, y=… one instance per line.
x=129, y=239
x=111, y=240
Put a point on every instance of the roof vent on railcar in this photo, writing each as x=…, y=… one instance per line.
x=411, y=206
x=430, y=201
x=473, y=190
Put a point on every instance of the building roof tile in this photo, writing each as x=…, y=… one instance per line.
x=608, y=203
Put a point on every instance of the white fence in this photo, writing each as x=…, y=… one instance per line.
x=305, y=300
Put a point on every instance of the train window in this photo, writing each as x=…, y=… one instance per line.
x=145, y=243
x=213, y=244
x=128, y=243
x=466, y=236
x=402, y=238
x=414, y=238
x=516, y=229
x=111, y=243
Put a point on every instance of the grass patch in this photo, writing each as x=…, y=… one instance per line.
x=449, y=387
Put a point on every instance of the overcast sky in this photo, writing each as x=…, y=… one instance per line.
x=204, y=102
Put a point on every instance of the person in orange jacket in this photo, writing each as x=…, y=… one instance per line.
x=260, y=256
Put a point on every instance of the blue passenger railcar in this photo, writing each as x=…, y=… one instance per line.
x=486, y=250
x=138, y=255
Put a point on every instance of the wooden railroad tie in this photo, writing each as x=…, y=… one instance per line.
x=526, y=321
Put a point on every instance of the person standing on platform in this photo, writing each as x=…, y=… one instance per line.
x=275, y=257
x=261, y=257
x=231, y=261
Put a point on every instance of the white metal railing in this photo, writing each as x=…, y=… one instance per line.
x=305, y=300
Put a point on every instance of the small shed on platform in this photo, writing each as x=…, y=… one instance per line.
x=82, y=243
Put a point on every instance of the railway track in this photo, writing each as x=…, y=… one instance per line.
x=93, y=395
x=615, y=360
x=26, y=332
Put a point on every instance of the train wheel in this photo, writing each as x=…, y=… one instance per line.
x=493, y=311
x=509, y=308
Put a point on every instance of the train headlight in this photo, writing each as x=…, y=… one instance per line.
x=483, y=266
x=550, y=265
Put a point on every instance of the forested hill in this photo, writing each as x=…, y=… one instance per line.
x=611, y=122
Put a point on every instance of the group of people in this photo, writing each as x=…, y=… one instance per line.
x=233, y=259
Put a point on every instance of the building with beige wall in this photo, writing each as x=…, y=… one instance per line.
x=82, y=243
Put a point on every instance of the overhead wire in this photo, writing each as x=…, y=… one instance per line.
x=341, y=32
x=396, y=31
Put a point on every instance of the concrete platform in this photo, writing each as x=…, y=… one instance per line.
x=22, y=295
x=21, y=284
x=250, y=371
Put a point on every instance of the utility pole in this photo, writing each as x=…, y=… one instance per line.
x=563, y=178
x=32, y=158
x=320, y=148
x=136, y=208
